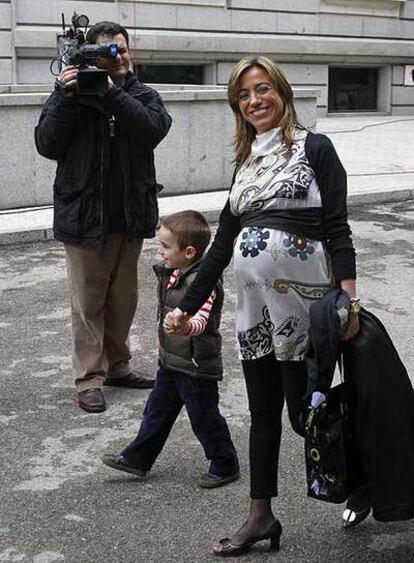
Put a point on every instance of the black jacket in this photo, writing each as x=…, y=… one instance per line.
x=75, y=132
x=382, y=410
x=328, y=321
x=380, y=400
x=197, y=356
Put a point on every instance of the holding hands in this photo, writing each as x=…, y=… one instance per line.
x=176, y=322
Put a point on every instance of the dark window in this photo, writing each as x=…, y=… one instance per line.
x=169, y=74
x=352, y=89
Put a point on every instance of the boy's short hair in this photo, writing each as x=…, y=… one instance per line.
x=190, y=228
x=106, y=28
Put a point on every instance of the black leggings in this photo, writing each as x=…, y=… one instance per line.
x=268, y=382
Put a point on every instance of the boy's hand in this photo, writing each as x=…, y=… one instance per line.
x=168, y=324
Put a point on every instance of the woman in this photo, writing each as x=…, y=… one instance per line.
x=287, y=210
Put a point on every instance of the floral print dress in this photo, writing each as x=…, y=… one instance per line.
x=279, y=274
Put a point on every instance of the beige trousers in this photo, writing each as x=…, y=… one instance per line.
x=103, y=283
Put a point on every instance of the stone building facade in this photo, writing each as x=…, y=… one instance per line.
x=358, y=53
x=342, y=57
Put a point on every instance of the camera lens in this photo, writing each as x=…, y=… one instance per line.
x=113, y=50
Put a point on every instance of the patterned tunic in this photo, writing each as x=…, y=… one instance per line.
x=279, y=274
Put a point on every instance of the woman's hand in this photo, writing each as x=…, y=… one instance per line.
x=352, y=330
x=353, y=327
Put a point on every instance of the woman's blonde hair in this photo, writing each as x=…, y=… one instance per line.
x=245, y=132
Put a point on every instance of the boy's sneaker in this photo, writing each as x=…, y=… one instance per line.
x=210, y=481
x=117, y=461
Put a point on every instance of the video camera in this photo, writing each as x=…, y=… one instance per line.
x=74, y=50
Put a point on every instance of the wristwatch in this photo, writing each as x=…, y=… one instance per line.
x=355, y=306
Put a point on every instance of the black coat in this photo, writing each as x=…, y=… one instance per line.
x=380, y=399
x=382, y=410
x=75, y=132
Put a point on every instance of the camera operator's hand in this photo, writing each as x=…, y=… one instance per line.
x=105, y=88
x=110, y=85
x=67, y=80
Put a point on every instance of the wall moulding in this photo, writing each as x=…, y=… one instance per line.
x=222, y=3
x=387, y=8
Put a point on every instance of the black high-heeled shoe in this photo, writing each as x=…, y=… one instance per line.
x=228, y=549
x=357, y=508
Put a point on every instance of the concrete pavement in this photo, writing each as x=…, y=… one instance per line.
x=375, y=150
x=60, y=504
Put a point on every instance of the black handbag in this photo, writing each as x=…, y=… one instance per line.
x=332, y=464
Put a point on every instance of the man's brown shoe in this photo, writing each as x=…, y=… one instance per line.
x=92, y=400
x=134, y=379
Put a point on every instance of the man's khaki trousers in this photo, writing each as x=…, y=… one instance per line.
x=103, y=282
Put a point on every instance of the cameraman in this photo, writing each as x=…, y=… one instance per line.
x=104, y=206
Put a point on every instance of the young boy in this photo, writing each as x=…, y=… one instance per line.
x=189, y=366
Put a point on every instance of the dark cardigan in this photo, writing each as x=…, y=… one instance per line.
x=331, y=178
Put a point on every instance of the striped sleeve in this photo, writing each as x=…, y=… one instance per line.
x=198, y=322
x=172, y=279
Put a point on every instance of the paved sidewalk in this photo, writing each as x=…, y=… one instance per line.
x=60, y=504
x=375, y=150
x=32, y=224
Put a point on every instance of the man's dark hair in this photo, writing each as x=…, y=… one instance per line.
x=106, y=28
x=190, y=228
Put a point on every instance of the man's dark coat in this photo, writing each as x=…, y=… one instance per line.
x=75, y=132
